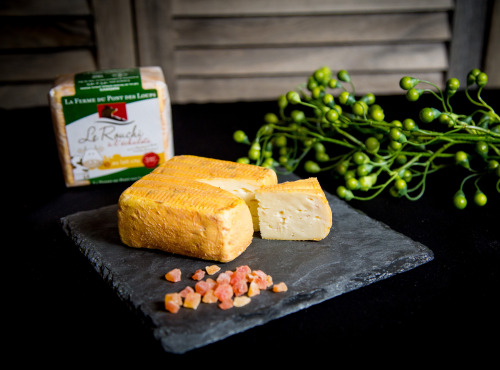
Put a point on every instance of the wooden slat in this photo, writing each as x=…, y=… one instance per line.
x=218, y=8
x=44, y=67
x=492, y=62
x=45, y=7
x=205, y=90
x=114, y=33
x=311, y=29
x=24, y=95
x=466, y=49
x=155, y=37
x=32, y=33
x=264, y=61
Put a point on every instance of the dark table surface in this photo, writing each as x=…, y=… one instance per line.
x=61, y=311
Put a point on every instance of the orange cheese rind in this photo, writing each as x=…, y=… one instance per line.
x=184, y=215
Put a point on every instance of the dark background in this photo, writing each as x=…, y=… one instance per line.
x=60, y=311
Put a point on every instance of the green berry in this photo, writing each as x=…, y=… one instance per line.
x=317, y=92
x=368, y=98
x=413, y=94
x=395, y=145
x=293, y=97
x=332, y=115
x=282, y=102
x=409, y=124
x=345, y=98
x=482, y=148
x=407, y=82
x=453, y=84
x=254, y=154
x=445, y=119
x=377, y=114
x=311, y=167
x=372, y=145
x=407, y=176
x=322, y=157
x=461, y=158
x=271, y=118
x=343, y=75
x=482, y=79
x=341, y=191
x=401, y=159
x=360, y=158
x=352, y=183
x=328, y=100
x=319, y=147
x=240, y=137
x=333, y=84
x=268, y=163
x=297, y=116
x=493, y=164
x=460, y=200
x=266, y=130
x=280, y=141
x=471, y=77
x=364, y=169
x=341, y=168
x=395, y=134
x=400, y=184
x=349, y=174
x=480, y=198
x=360, y=108
x=428, y=115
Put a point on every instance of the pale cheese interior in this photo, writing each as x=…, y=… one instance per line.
x=296, y=210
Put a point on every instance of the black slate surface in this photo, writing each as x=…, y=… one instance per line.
x=359, y=251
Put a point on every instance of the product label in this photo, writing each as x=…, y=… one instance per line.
x=113, y=126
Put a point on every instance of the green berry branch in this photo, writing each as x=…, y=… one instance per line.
x=324, y=126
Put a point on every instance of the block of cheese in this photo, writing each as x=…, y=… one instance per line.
x=174, y=209
x=112, y=125
x=240, y=179
x=294, y=210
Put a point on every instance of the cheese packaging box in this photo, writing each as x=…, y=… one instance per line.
x=112, y=125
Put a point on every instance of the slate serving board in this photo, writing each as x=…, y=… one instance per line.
x=358, y=251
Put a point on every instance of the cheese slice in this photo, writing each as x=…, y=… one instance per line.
x=173, y=209
x=240, y=179
x=294, y=210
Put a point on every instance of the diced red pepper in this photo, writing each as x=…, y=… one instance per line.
x=198, y=275
x=209, y=297
x=173, y=275
x=223, y=291
x=192, y=300
x=226, y=304
x=184, y=292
